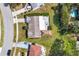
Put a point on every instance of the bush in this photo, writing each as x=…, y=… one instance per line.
x=37, y=14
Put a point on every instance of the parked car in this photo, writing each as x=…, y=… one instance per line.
x=6, y=4
x=8, y=52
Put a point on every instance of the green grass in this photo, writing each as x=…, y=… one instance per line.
x=18, y=50
x=2, y=30
x=14, y=32
x=22, y=32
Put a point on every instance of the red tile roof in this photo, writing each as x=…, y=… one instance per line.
x=35, y=50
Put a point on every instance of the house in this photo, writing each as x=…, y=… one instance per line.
x=37, y=25
x=34, y=50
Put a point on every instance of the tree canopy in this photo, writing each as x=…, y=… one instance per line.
x=63, y=47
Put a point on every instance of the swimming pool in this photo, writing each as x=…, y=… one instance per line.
x=73, y=12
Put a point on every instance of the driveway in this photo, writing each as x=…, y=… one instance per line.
x=8, y=29
x=21, y=45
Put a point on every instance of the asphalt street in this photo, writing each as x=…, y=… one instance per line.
x=8, y=29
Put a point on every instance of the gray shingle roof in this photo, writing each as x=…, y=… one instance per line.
x=34, y=31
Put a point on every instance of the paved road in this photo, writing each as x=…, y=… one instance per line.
x=9, y=30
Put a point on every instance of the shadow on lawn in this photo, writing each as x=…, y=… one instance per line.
x=57, y=16
x=57, y=20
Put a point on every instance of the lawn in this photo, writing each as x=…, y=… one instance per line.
x=2, y=30
x=21, y=33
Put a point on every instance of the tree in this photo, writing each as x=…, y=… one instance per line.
x=62, y=17
x=69, y=47
x=64, y=46
x=65, y=15
x=57, y=48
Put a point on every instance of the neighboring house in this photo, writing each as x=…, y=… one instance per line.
x=34, y=50
x=37, y=25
